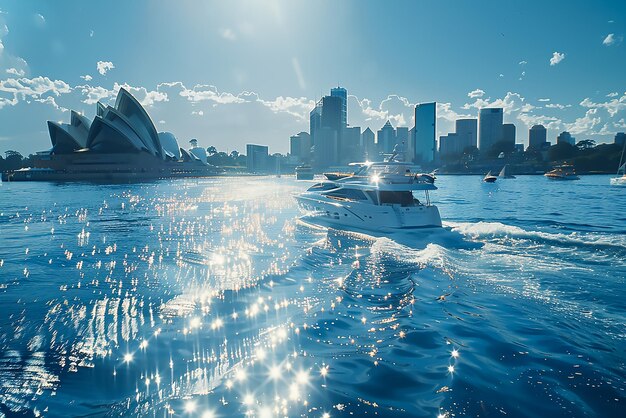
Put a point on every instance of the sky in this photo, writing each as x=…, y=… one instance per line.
x=235, y=72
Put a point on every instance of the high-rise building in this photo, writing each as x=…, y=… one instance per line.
x=565, y=137
x=508, y=133
x=326, y=116
x=537, y=137
x=402, y=139
x=369, y=145
x=315, y=121
x=386, y=138
x=467, y=132
x=325, y=154
x=450, y=144
x=620, y=138
x=300, y=147
x=489, y=127
x=257, y=158
x=425, y=128
x=343, y=95
x=350, y=145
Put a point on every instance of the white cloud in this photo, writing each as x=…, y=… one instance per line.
x=34, y=87
x=50, y=101
x=197, y=112
x=522, y=63
x=295, y=106
x=609, y=40
x=228, y=34
x=476, y=93
x=612, y=106
x=94, y=94
x=201, y=92
x=86, y=77
x=544, y=100
x=614, y=94
x=584, y=124
x=557, y=57
x=40, y=19
x=104, y=66
x=555, y=106
x=15, y=71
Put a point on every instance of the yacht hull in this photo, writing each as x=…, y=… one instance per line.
x=366, y=216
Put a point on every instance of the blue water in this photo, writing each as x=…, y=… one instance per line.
x=208, y=298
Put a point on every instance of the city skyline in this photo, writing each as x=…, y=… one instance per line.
x=221, y=90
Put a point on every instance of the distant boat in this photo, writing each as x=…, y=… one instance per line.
x=504, y=175
x=490, y=178
x=562, y=172
x=304, y=172
x=620, y=179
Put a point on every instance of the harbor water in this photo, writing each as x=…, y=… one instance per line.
x=209, y=298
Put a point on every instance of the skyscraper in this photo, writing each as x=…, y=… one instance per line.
x=350, y=145
x=537, y=137
x=369, y=145
x=565, y=137
x=489, y=127
x=467, y=132
x=386, y=138
x=256, y=158
x=425, y=128
x=508, y=133
x=300, y=146
x=402, y=139
x=343, y=95
x=326, y=116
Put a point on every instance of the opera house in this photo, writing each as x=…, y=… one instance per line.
x=121, y=143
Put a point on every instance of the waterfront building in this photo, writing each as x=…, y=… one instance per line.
x=198, y=152
x=451, y=144
x=620, y=138
x=326, y=116
x=325, y=150
x=300, y=147
x=368, y=144
x=565, y=138
x=508, y=133
x=343, y=95
x=386, y=137
x=121, y=142
x=537, y=137
x=489, y=127
x=349, y=147
x=425, y=129
x=257, y=158
x=402, y=138
x=467, y=132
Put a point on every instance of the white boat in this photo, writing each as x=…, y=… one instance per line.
x=504, y=175
x=378, y=197
x=490, y=178
x=620, y=179
x=562, y=172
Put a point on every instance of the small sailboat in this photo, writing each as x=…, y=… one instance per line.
x=490, y=178
x=503, y=174
x=620, y=179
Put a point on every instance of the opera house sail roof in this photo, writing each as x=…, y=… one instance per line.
x=120, y=143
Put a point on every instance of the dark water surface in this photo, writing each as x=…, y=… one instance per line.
x=207, y=298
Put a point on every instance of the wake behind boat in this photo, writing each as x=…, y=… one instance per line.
x=377, y=197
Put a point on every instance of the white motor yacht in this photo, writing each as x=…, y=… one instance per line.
x=379, y=197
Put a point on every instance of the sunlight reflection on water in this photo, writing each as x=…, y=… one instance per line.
x=208, y=298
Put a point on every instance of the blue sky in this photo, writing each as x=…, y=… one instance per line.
x=233, y=72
